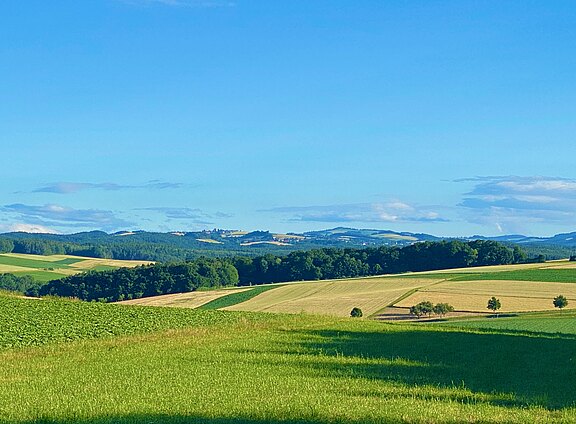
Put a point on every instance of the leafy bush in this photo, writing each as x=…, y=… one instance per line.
x=356, y=313
x=560, y=302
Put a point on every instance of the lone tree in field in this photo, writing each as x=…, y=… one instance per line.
x=494, y=304
x=560, y=302
x=356, y=313
x=442, y=309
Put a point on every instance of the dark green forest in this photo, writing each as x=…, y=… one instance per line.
x=315, y=264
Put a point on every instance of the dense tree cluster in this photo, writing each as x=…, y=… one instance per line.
x=331, y=263
x=22, y=284
x=327, y=263
x=144, y=281
x=428, y=308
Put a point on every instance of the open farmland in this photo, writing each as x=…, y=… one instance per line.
x=101, y=363
x=45, y=268
x=515, y=296
x=335, y=297
x=193, y=299
x=520, y=288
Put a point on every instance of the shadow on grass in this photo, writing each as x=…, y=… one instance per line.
x=535, y=371
x=182, y=419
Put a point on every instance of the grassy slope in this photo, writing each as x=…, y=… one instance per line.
x=251, y=368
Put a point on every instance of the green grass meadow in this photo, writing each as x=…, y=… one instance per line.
x=121, y=364
x=34, y=262
x=559, y=323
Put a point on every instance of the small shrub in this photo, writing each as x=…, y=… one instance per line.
x=356, y=313
x=494, y=304
x=560, y=302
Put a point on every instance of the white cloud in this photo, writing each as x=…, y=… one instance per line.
x=66, y=187
x=30, y=228
x=513, y=203
x=384, y=212
x=52, y=215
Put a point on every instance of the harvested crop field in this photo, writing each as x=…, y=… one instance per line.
x=335, y=297
x=515, y=296
x=184, y=300
x=45, y=268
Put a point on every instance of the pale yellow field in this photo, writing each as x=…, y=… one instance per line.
x=12, y=268
x=183, y=300
x=335, y=297
x=51, y=258
x=58, y=270
x=497, y=268
x=254, y=243
x=568, y=265
x=92, y=263
x=515, y=296
x=209, y=241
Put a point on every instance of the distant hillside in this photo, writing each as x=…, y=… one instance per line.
x=153, y=246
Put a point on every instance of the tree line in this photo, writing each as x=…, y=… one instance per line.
x=316, y=264
x=143, y=281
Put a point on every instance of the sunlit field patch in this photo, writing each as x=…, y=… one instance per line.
x=335, y=297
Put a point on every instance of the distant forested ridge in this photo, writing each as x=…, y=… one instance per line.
x=217, y=243
x=315, y=264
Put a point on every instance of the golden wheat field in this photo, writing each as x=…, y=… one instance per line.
x=184, y=300
x=515, y=296
x=334, y=297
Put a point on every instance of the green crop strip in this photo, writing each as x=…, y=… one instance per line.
x=547, y=275
x=235, y=298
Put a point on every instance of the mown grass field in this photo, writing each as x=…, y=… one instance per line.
x=236, y=367
x=46, y=268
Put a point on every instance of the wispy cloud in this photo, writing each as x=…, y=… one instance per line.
x=194, y=215
x=387, y=212
x=74, y=187
x=52, y=215
x=511, y=203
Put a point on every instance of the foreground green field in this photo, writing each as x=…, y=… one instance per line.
x=46, y=268
x=235, y=367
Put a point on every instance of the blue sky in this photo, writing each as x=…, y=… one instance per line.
x=446, y=117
